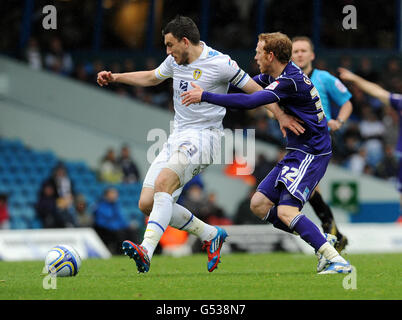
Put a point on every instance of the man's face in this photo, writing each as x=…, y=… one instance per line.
x=262, y=58
x=302, y=54
x=112, y=195
x=177, y=49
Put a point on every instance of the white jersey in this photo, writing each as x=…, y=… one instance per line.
x=212, y=71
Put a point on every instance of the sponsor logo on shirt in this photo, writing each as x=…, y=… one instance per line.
x=340, y=86
x=273, y=85
x=183, y=85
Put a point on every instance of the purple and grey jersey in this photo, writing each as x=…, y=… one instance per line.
x=293, y=91
x=396, y=103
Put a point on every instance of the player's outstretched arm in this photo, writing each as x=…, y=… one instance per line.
x=137, y=78
x=244, y=101
x=368, y=87
x=274, y=111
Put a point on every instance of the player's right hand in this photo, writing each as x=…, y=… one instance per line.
x=346, y=75
x=104, y=78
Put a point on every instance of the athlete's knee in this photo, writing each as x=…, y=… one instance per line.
x=260, y=205
x=145, y=205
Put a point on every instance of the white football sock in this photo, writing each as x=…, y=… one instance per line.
x=330, y=253
x=183, y=219
x=158, y=221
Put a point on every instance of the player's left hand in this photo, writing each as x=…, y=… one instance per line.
x=334, y=125
x=192, y=96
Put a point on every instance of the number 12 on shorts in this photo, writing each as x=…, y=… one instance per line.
x=289, y=173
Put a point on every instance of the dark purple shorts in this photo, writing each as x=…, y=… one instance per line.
x=299, y=173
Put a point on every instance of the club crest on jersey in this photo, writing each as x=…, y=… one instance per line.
x=197, y=74
x=307, y=81
x=273, y=85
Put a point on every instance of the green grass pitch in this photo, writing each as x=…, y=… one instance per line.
x=239, y=277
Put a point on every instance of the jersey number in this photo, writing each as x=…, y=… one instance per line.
x=290, y=175
x=318, y=105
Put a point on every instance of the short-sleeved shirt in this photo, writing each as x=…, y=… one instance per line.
x=330, y=89
x=212, y=71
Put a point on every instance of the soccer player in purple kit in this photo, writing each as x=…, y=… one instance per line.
x=389, y=99
x=284, y=191
x=332, y=92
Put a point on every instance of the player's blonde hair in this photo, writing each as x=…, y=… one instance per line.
x=277, y=43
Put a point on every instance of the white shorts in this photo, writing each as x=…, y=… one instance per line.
x=201, y=148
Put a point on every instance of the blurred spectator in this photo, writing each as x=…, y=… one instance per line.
x=81, y=73
x=84, y=217
x=62, y=185
x=110, y=223
x=197, y=180
x=346, y=62
x=262, y=167
x=96, y=67
x=372, y=131
x=350, y=146
x=194, y=201
x=128, y=166
x=4, y=215
x=243, y=214
x=129, y=65
x=53, y=211
x=366, y=70
x=109, y=170
x=266, y=129
x=33, y=54
x=388, y=167
x=357, y=161
x=391, y=75
x=57, y=60
x=46, y=207
x=204, y=206
x=214, y=214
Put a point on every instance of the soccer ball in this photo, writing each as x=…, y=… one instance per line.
x=63, y=261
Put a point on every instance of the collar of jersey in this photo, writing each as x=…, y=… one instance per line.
x=285, y=70
x=204, y=53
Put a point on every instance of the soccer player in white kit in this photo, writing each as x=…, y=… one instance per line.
x=196, y=138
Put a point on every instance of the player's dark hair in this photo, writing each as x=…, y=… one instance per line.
x=181, y=27
x=304, y=38
x=279, y=44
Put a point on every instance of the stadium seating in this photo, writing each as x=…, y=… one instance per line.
x=23, y=170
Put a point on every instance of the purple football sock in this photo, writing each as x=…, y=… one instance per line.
x=308, y=231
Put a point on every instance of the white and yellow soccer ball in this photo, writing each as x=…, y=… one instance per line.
x=63, y=261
